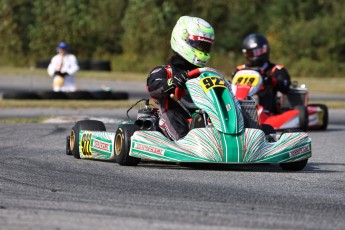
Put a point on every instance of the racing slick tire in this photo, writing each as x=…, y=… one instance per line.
x=123, y=145
x=325, y=117
x=68, y=148
x=296, y=165
x=303, y=117
x=91, y=125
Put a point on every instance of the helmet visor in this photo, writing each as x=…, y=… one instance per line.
x=255, y=52
x=200, y=43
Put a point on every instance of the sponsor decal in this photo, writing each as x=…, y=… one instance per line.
x=300, y=150
x=149, y=148
x=101, y=145
x=199, y=38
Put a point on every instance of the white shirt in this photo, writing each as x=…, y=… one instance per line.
x=65, y=64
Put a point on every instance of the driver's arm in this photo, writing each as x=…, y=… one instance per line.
x=283, y=80
x=158, y=83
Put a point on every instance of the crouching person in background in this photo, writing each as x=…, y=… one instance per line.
x=62, y=68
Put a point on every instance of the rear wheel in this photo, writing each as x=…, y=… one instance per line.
x=303, y=117
x=296, y=165
x=91, y=125
x=123, y=145
x=324, y=109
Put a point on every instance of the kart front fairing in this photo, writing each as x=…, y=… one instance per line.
x=225, y=140
x=210, y=145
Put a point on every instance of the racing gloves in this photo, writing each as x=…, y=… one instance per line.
x=180, y=79
x=59, y=73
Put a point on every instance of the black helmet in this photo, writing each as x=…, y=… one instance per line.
x=256, y=50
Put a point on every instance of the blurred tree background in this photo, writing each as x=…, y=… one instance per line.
x=308, y=37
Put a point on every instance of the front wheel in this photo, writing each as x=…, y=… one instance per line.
x=91, y=125
x=123, y=145
x=294, y=166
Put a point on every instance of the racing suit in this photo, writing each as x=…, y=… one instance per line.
x=275, y=78
x=63, y=69
x=173, y=121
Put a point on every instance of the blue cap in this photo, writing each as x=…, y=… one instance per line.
x=62, y=45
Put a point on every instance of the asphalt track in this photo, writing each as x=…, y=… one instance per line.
x=42, y=188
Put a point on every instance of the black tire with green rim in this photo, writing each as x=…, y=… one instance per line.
x=91, y=125
x=296, y=165
x=123, y=145
x=325, y=118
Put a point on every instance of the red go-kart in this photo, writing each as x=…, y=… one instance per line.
x=293, y=108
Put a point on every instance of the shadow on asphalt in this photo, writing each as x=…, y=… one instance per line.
x=262, y=167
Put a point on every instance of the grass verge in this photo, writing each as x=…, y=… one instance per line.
x=22, y=120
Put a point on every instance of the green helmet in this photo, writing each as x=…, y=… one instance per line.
x=192, y=38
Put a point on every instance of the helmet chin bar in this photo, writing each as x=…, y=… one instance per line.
x=198, y=62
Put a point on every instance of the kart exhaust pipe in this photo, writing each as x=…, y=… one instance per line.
x=147, y=124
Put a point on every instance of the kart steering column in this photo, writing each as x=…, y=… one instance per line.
x=172, y=96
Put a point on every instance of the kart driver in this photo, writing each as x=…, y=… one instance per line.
x=191, y=40
x=275, y=77
x=62, y=68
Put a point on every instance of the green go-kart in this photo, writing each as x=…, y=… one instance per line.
x=222, y=130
